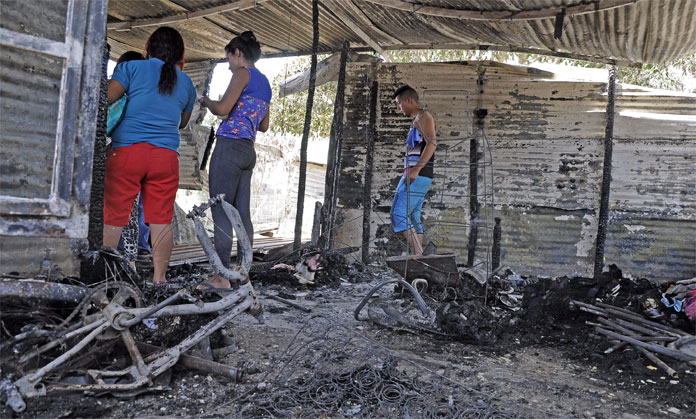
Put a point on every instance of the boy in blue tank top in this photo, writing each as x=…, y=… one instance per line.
x=418, y=170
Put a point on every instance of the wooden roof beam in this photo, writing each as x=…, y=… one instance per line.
x=140, y=23
x=348, y=21
x=469, y=14
x=327, y=70
x=508, y=48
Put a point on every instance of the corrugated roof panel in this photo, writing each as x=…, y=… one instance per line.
x=645, y=31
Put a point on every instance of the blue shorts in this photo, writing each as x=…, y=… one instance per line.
x=406, y=210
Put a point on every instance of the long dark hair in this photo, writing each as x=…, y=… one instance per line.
x=129, y=56
x=247, y=44
x=166, y=44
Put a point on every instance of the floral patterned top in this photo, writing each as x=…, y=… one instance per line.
x=250, y=109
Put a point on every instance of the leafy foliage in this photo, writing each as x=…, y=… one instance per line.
x=288, y=113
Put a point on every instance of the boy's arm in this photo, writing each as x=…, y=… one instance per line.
x=427, y=128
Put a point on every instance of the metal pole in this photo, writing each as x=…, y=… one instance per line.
x=606, y=174
x=307, y=125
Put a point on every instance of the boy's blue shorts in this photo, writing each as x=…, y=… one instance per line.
x=406, y=209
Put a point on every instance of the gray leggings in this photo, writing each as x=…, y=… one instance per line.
x=231, y=166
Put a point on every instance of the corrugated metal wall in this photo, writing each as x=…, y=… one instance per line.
x=546, y=139
x=194, y=137
x=50, y=71
x=30, y=92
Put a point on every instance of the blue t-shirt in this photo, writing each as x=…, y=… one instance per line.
x=251, y=107
x=151, y=117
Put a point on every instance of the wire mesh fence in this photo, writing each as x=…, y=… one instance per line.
x=331, y=370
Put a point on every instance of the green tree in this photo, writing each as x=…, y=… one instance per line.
x=287, y=113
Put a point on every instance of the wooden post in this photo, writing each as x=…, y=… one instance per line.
x=307, y=125
x=316, y=225
x=496, y=244
x=367, y=186
x=606, y=174
x=333, y=166
x=95, y=227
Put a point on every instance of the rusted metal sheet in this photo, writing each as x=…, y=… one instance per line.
x=637, y=32
x=314, y=191
x=195, y=137
x=47, y=189
x=193, y=253
x=30, y=91
x=42, y=18
x=652, y=245
x=645, y=31
x=280, y=26
x=546, y=146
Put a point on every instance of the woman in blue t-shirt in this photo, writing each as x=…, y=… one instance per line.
x=143, y=156
x=245, y=105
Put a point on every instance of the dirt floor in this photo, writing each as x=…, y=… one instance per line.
x=549, y=365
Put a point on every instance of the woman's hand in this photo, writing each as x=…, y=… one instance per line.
x=203, y=101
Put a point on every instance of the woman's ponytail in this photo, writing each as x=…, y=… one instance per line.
x=167, y=79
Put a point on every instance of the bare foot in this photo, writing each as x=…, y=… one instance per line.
x=216, y=282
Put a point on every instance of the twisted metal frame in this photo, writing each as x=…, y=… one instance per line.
x=114, y=317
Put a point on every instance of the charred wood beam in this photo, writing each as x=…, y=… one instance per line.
x=42, y=290
x=357, y=27
x=473, y=47
x=327, y=71
x=307, y=126
x=498, y=15
x=95, y=229
x=181, y=17
x=473, y=201
x=497, y=232
x=606, y=175
x=208, y=148
x=681, y=356
x=607, y=310
x=196, y=363
x=367, y=185
x=474, y=205
x=316, y=224
x=334, y=159
x=634, y=335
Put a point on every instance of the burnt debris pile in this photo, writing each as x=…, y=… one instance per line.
x=329, y=370
x=507, y=310
x=309, y=267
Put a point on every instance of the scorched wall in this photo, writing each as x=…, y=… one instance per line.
x=546, y=140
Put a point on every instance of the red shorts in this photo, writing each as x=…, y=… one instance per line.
x=135, y=168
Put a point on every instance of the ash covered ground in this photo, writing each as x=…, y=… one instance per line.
x=512, y=348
